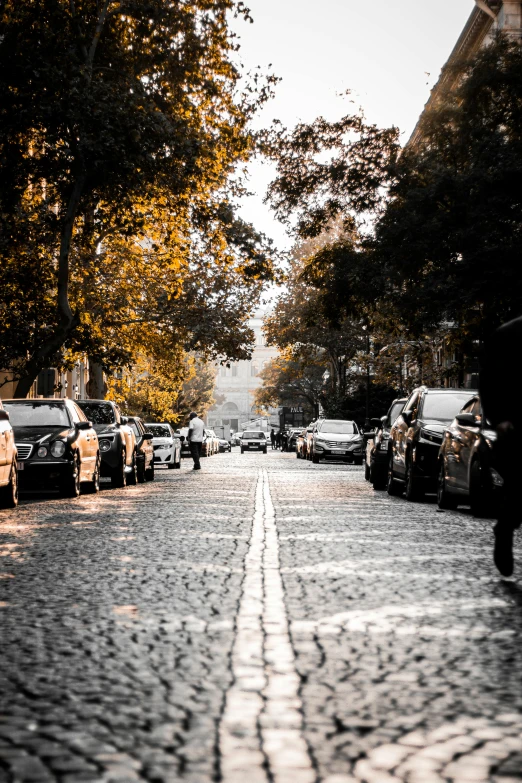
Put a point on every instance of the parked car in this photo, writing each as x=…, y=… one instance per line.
x=116, y=439
x=309, y=446
x=211, y=443
x=144, y=451
x=376, y=453
x=416, y=438
x=337, y=439
x=224, y=445
x=57, y=446
x=300, y=445
x=166, y=443
x=466, y=473
x=235, y=438
x=292, y=439
x=254, y=440
x=8, y=471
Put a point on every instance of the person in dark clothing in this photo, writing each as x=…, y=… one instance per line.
x=500, y=379
x=278, y=440
x=272, y=437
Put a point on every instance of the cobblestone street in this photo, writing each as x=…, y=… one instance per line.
x=264, y=621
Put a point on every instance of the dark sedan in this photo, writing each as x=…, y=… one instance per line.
x=376, y=465
x=466, y=472
x=416, y=437
x=117, y=441
x=57, y=446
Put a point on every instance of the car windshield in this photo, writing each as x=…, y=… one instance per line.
x=98, y=412
x=394, y=413
x=37, y=414
x=254, y=435
x=444, y=407
x=159, y=430
x=134, y=427
x=338, y=427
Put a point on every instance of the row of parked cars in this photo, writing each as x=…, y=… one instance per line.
x=436, y=441
x=70, y=445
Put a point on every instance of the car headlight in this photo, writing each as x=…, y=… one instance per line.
x=105, y=445
x=42, y=452
x=58, y=448
x=321, y=441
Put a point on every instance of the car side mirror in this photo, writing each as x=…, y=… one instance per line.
x=182, y=438
x=147, y=436
x=408, y=417
x=369, y=435
x=83, y=425
x=124, y=420
x=4, y=416
x=466, y=419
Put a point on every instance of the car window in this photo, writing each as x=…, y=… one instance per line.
x=98, y=412
x=134, y=427
x=78, y=411
x=34, y=414
x=443, y=406
x=159, y=430
x=394, y=413
x=338, y=427
x=254, y=435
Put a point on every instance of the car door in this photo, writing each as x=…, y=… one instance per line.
x=5, y=427
x=466, y=437
x=83, y=442
x=401, y=429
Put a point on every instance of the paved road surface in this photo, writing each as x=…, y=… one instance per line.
x=263, y=621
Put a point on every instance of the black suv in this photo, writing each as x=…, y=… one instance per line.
x=416, y=437
x=376, y=466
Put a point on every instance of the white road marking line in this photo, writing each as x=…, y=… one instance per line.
x=262, y=724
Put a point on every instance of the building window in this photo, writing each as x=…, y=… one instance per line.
x=254, y=370
x=234, y=371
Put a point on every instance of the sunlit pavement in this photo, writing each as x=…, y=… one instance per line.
x=264, y=620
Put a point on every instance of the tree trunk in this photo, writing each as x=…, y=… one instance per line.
x=96, y=387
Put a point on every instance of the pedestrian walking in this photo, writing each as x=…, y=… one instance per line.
x=500, y=376
x=196, y=433
x=278, y=440
x=272, y=437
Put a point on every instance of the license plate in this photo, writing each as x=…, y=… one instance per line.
x=339, y=451
x=20, y=466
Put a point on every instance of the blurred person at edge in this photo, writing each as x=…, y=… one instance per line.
x=500, y=375
x=273, y=438
x=196, y=433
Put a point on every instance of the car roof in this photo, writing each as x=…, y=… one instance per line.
x=41, y=400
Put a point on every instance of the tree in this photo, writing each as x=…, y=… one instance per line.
x=292, y=381
x=121, y=127
x=450, y=241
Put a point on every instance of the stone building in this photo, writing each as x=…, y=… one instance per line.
x=235, y=384
x=487, y=18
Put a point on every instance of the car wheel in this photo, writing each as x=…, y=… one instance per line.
x=171, y=466
x=264, y=451
x=366, y=471
x=118, y=476
x=358, y=461
x=315, y=460
x=445, y=499
x=140, y=471
x=9, y=494
x=480, y=492
x=70, y=486
x=414, y=491
x=149, y=473
x=92, y=487
x=393, y=487
x=132, y=479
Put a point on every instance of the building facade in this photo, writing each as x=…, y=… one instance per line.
x=236, y=384
x=487, y=18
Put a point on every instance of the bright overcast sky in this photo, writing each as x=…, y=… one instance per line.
x=387, y=52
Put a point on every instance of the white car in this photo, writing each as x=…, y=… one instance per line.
x=253, y=440
x=167, y=445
